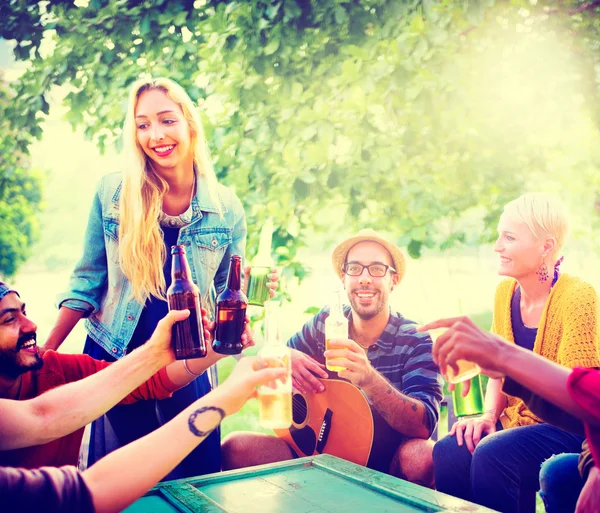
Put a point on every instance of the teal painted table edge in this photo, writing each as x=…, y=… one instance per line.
x=186, y=497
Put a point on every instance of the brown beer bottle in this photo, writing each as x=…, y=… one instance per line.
x=187, y=335
x=231, y=312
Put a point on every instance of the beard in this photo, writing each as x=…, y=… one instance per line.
x=365, y=312
x=11, y=367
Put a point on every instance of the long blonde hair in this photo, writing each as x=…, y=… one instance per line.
x=141, y=247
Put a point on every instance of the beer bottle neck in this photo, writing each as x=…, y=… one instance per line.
x=180, y=270
x=337, y=308
x=263, y=257
x=234, y=279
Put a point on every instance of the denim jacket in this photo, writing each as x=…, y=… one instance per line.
x=98, y=286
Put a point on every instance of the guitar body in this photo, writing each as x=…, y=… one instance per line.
x=340, y=422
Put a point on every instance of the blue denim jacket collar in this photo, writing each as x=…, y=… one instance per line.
x=201, y=202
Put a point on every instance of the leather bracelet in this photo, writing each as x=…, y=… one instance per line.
x=185, y=365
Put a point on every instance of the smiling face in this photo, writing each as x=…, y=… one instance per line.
x=521, y=254
x=163, y=132
x=18, y=348
x=368, y=295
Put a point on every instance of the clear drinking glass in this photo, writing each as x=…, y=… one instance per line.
x=466, y=369
x=275, y=399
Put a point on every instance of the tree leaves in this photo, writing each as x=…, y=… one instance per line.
x=272, y=46
x=20, y=192
x=374, y=107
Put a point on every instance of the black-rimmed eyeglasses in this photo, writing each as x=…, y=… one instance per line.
x=375, y=270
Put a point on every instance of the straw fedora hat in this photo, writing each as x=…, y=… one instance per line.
x=338, y=257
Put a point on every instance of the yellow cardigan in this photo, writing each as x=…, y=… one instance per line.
x=568, y=333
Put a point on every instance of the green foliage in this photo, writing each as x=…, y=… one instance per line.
x=20, y=196
x=482, y=319
x=395, y=115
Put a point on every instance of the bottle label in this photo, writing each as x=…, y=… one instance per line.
x=187, y=336
x=230, y=326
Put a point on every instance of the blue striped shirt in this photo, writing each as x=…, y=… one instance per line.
x=401, y=355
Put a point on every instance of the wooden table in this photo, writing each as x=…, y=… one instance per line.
x=316, y=484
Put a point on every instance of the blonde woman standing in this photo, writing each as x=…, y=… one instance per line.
x=494, y=460
x=168, y=194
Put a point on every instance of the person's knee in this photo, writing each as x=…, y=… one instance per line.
x=245, y=449
x=555, y=471
x=494, y=458
x=445, y=450
x=560, y=483
x=234, y=448
x=413, y=461
x=486, y=452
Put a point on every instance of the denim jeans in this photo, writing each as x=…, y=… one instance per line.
x=502, y=474
x=560, y=483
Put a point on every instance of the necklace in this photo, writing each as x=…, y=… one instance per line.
x=182, y=219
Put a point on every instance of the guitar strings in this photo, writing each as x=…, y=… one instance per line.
x=299, y=408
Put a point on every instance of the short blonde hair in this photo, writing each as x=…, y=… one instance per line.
x=544, y=214
x=142, y=250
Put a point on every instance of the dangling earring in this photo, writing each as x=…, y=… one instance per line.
x=542, y=272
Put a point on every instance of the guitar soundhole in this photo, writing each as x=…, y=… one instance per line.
x=299, y=409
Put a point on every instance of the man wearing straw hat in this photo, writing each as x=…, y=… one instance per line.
x=383, y=356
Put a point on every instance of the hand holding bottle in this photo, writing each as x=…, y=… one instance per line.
x=260, y=283
x=161, y=338
x=347, y=355
x=198, y=366
x=209, y=333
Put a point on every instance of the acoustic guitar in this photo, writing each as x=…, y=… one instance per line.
x=340, y=422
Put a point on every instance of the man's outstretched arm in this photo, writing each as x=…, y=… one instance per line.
x=64, y=409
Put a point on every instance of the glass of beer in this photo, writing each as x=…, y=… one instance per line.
x=275, y=399
x=466, y=369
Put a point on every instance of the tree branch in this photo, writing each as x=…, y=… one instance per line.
x=585, y=7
